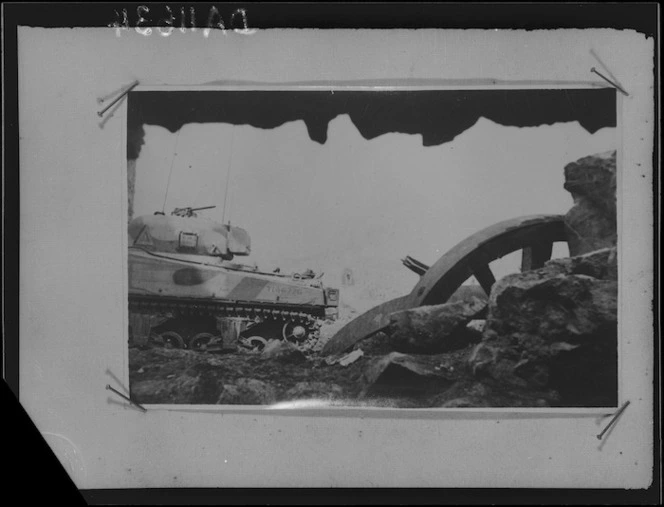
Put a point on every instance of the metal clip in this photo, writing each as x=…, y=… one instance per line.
x=117, y=99
x=109, y=388
x=609, y=81
x=613, y=420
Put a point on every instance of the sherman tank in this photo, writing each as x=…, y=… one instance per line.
x=186, y=291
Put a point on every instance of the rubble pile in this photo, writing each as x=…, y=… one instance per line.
x=546, y=337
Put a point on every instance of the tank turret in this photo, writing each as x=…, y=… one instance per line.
x=184, y=232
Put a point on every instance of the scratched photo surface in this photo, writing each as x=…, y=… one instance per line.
x=381, y=247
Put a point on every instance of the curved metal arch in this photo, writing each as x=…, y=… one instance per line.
x=534, y=235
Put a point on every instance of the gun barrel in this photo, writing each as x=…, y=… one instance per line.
x=203, y=207
x=414, y=265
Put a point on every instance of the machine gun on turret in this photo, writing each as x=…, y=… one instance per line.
x=189, y=212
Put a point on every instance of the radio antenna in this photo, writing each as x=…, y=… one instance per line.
x=168, y=185
x=228, y=176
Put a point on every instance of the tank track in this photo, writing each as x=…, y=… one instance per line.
x=239, y=309
x=256, y=312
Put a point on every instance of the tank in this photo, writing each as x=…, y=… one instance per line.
x=186, y=290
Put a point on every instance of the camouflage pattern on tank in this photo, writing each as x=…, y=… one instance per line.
x=184, y=288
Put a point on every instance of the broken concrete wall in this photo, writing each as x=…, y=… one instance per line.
x=591, y=222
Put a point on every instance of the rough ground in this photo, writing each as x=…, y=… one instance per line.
x=165, y=376
x=160, y=375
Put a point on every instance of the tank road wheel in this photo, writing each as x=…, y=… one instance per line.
x=200, y=342
x=294, y=332
x=168, y=340
x=534, y=236
x=303, y=336
x=255, y=343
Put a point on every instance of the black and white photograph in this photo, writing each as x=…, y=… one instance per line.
x=377, y=246
x=339, y=257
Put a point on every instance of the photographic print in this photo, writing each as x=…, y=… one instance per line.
x=326, y=258
x=358, y=246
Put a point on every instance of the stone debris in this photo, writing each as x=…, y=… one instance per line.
x=433, y=329
x=474, y=393
x=375, y=345
x=344, y=359
x=332, y=360
x=314, y=390
x=476, y=325
x=412, y=376
x=601, y=264
x=351, y=357
x=283, y=352
x=474, y=330
x=547, y=330
x=247, y=391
